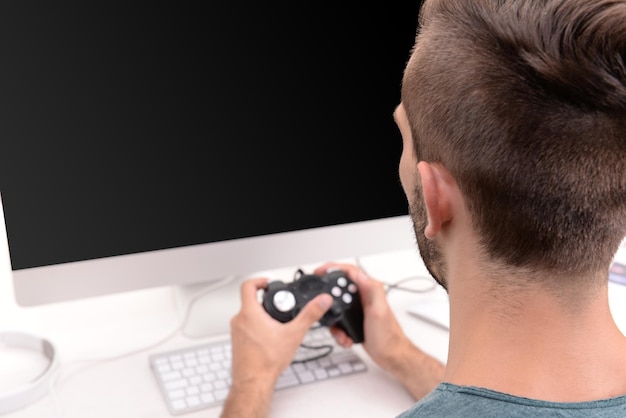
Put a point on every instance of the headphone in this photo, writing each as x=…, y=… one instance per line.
x=23, y=395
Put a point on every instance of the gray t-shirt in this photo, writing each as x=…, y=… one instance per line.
x=448, y=400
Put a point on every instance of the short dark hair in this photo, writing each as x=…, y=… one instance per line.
x=525, y=103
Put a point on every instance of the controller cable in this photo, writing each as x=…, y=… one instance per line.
x=328, y=348
x=298, y=274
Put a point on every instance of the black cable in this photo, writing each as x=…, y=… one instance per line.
x=329, y=349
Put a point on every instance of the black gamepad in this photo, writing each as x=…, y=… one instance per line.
x=283, y=301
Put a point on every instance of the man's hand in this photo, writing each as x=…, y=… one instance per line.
x=385, y=341
x=262, y=348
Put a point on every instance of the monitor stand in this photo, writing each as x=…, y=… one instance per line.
x=210, y=313
x=208, y=306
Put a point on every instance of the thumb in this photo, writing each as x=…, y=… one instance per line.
x=314, y=310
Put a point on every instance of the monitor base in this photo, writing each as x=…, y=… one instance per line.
x=206, y=308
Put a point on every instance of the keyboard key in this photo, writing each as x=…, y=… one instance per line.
x=286, y=381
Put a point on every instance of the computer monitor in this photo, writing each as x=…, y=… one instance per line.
x=179, y=143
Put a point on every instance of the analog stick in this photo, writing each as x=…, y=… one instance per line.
x=284, y=300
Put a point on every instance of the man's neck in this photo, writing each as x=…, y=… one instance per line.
x=530, y=343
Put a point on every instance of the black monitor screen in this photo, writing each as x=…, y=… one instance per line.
x=127, y=128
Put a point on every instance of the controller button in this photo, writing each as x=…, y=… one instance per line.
x=347, y=298
x=284, y=300
x=335, y=291
x=342, y=281
x=352, y=288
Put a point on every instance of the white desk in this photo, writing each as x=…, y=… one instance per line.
x=106, y=326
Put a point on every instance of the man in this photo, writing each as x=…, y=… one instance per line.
x=513, y=117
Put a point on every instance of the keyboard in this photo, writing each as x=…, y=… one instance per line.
x=199, y=377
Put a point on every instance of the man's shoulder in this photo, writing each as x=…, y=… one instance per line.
x=448, y=400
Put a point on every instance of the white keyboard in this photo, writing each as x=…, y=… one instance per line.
x=199, y=377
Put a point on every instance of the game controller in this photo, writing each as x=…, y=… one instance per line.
x=283, y=301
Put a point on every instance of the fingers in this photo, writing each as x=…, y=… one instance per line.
x=313, y=311
x=372, y=291
x=341, y=337
x=249, y=288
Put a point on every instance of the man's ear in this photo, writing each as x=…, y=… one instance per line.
x=436, y=198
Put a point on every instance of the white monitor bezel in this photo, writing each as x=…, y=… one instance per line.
x=207, y=262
